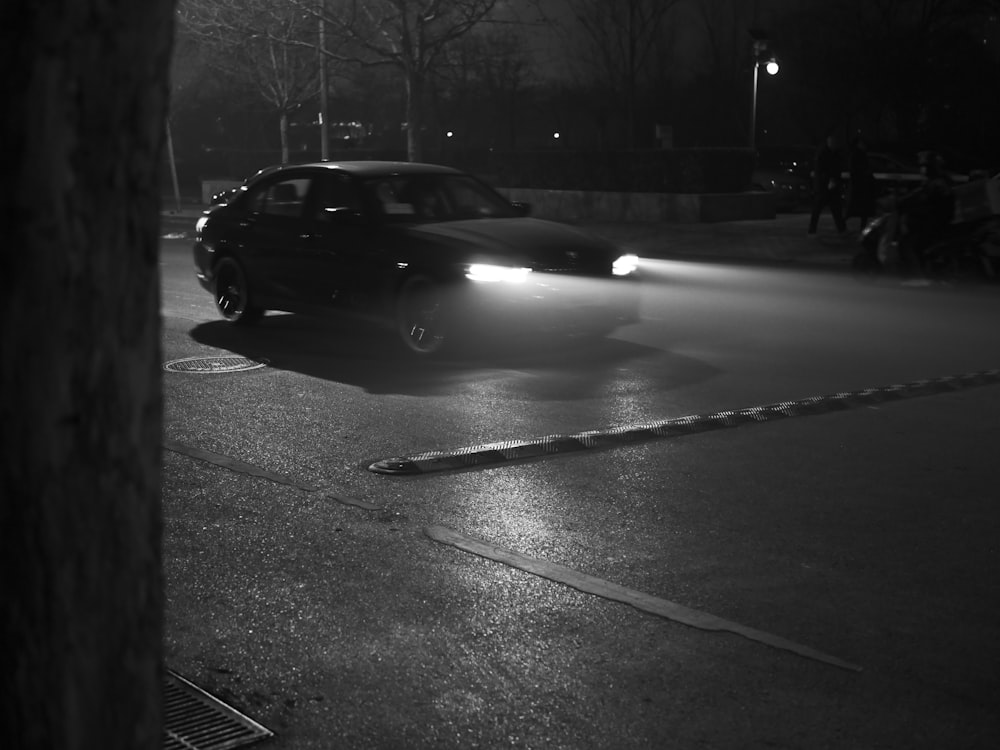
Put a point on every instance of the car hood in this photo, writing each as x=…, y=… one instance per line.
x=532, y=242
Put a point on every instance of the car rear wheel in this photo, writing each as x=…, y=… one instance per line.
x=420, y=315
x=232, y=293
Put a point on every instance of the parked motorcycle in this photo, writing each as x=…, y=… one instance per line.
x=961, y=251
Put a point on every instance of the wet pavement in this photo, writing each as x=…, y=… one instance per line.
x=322, y=607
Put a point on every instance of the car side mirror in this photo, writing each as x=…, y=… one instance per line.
x=521, y=208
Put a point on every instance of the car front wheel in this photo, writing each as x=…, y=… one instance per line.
x=232, y=294
x=420, y=315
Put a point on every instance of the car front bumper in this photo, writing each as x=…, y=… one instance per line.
x=552, y=303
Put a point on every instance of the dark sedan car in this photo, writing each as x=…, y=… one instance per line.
x=431, y=251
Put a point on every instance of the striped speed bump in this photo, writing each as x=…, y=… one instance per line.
x=491, y=454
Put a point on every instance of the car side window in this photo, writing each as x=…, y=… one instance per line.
x=424, y=199
x=335, y=192
x=281, y=198
x=472, y=200
x=390, y=197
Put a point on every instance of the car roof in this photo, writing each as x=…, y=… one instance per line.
x=365, y=168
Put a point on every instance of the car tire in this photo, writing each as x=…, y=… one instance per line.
x=420, y=315
x=232, y=293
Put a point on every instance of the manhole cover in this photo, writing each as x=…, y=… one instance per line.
x=211, y=365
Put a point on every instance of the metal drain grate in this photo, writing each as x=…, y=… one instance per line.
x=195, y=720
x=212, y=365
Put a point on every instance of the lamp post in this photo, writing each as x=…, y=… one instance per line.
x=761, y=52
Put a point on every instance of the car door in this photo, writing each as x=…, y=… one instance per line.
x=335, y=241
x=268, y=234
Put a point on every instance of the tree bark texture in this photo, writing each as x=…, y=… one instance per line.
x=85, y=91
x=414, y=116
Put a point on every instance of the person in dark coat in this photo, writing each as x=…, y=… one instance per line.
x=861, y=188
x=828, y=185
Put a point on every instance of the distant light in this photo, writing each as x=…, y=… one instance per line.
x=450, y=133
x=772, y=67
x=556, y=135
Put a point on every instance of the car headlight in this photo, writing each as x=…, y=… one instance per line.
x=200, y=224
x=486, y=272
x=625, y=265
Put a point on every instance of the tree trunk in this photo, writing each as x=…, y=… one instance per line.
x=414, y=115
x=85, y=101
x=283, y=128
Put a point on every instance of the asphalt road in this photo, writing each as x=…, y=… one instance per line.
x=836, y=555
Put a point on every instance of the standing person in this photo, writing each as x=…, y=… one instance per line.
x=861, y=188
x=827, y=185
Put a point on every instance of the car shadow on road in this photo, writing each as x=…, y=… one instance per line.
x=364, y=355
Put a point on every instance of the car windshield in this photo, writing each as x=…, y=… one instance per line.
x=436, y=197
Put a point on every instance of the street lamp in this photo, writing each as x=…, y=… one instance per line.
x=324, y=128
x=761, y=53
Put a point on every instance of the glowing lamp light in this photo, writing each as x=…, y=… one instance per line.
x=772, y=67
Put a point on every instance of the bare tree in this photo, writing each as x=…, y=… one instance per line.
x=721, y=94
x=85, y=95
x=891, y=63
x=409, y=35
x=262, y=44
x=483, y=82
x=620, y=36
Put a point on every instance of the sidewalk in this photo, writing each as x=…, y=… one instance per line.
x=779, y=240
